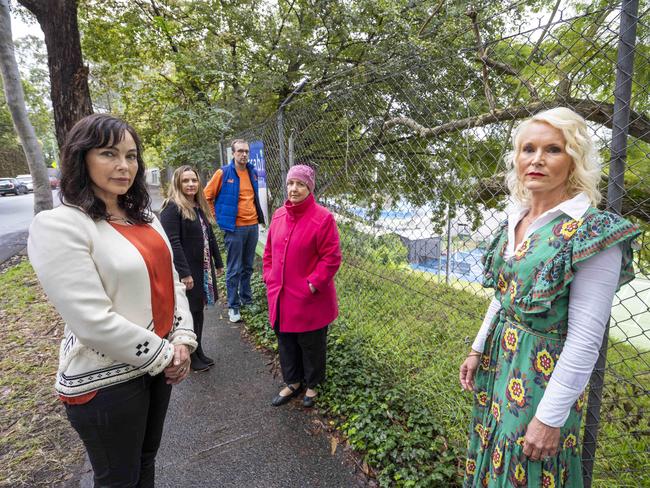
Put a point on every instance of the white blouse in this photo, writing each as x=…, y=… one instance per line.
x=592, y=291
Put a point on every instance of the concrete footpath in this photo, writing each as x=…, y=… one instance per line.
x=221, y=430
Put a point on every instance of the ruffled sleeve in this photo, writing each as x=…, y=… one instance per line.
x=604, y=231
x=492, y=255
x=598, y=231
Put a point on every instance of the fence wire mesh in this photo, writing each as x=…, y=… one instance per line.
x=410, y=157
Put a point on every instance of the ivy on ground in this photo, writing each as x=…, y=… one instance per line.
x=380, y=415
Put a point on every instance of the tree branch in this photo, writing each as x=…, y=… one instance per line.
x=531, y=56
x=276, y=41
x=433, y=14
x=471, y=13
x=599, y=112
x=509, y=70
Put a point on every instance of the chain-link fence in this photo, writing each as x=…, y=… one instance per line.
x=410, y=156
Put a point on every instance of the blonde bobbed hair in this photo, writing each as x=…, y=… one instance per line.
x=186, y=206
x=586, y=172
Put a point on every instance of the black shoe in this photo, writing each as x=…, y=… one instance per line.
x=196, y=364
x=281, y=400
x=308, y=401
x=201, y=355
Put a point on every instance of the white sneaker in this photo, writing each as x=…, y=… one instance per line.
x=233, y=315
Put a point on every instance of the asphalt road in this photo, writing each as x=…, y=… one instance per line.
x=16, y=214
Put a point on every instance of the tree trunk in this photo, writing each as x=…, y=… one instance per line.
x=68, y=75
x=16, y=101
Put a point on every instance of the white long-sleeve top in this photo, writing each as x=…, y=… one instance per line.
x=592, y=291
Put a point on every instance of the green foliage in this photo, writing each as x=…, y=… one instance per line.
x=191, y=73
x=196, y=141
x=188, y=74
x=380, y=414
x=12, y=161
x=385, y=250
x=32, y=60
x=35, y=81
x=257, y=316
x=149, y=59
x=12, y=158
x=384, y=379
x=392, y=372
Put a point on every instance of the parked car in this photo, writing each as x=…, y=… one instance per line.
x=12, y=185
x=27, y=180
x=54, y=181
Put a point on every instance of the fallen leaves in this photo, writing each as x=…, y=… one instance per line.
x=38, y=447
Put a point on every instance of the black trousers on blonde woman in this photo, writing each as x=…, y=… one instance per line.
x=199, y=360
x=303, y=356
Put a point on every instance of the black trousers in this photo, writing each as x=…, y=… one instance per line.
x=121, y=429
x=197, y=318
x=302, y=356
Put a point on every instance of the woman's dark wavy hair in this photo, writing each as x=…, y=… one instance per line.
x=93, y=131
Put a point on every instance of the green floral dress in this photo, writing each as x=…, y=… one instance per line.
x=524, y=343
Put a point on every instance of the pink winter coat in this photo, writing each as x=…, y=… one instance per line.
x=302, y=247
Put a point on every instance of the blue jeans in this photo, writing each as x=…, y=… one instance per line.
x=240, y=250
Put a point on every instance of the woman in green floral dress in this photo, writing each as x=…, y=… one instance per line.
x=555, y=266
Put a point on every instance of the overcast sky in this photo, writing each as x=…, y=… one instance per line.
x=20, y=29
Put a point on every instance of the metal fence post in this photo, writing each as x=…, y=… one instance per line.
x=448, y=263
x=292, y=138
x=222, y=152
x=283, y=162
x=281, y=156
x=615, y=192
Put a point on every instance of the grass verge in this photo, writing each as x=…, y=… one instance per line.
x=393, y=388
x=37, y=445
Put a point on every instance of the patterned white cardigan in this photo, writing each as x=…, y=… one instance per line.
x=98, y=282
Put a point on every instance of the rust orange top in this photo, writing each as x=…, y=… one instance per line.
x=157, y=258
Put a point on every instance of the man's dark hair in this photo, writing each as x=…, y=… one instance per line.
x=237, y=141
x=93, y=131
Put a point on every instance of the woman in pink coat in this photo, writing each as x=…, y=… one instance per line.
x=301, y=257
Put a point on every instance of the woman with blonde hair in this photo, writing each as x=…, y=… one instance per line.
x=555, y=265
x=187, y=220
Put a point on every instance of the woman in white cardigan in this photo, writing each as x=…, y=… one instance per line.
x=105, y=263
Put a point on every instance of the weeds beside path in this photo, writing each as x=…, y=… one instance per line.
x=37, y=445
